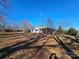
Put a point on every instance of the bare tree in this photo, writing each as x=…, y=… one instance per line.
x=2, y=23
x=5, y=3
x=4, y=7
x=60, y=30
x=63, y=26
x=64, y=23
x=27, y=25
x=50, y=23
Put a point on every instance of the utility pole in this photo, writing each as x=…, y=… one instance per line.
x=49, y=25
x=42, y=19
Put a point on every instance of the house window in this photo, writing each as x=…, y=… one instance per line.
x=36, y=29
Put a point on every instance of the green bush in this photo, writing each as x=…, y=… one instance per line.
x=72, y=31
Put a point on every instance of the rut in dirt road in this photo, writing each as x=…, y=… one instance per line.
x=9, y=50
x=67, y=49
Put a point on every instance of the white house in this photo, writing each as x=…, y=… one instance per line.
x=45, y=30
x=38, y=30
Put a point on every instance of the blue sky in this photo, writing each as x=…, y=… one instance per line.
x=64, y=11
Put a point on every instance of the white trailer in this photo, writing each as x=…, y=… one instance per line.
x=44, y=30
x=38, y=30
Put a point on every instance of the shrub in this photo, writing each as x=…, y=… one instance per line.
x=72, y=31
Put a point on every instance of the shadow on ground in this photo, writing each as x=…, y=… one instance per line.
x=7, y=51
x=67, y=49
